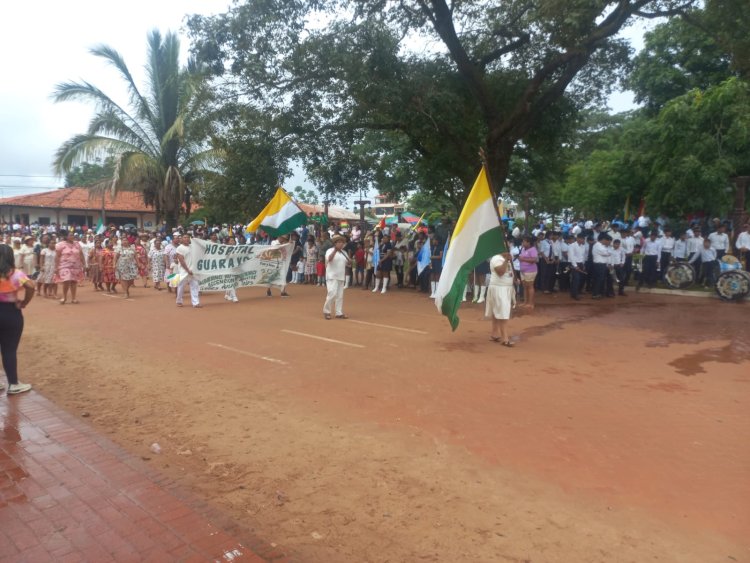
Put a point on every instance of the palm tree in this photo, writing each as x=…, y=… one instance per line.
x=150, y=141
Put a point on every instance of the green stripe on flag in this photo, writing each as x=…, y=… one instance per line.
x=488, y=244
x=296, y=220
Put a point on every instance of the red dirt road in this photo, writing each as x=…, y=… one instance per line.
x=613, y=431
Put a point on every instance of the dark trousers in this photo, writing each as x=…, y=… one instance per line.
x=550, y=277
x=628, y=269
x=600, y=279
x=664, y=260
x=648, y=276
x=708, y=272
x=564, y=278
x=399, y=275
x=11, y=328
x=620, y=273
x=424, y=280
x=575, y=283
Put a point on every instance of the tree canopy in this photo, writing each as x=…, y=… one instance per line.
x=404, y=94
x=151, y=142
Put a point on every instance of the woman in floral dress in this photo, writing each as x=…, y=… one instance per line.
x=68, y=265
x=311, y=259
x=126, y=265
x=46, y=282
x=109, y=276
x=95, y=264
x=141, y=260
x=156, y=258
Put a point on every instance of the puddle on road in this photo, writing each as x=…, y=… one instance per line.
x=737, y=351
x=681, y=330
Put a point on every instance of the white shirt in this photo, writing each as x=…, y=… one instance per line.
x=667, y=244
x=601, y=253
x=183, y=251
x=719, y=241
x=556, y=249
x=706, y=255
x=616, y=235
x=514, y=252
x=743, y=241
x=506, y=279
x=680, y=249
x=628, y=244
x=694, y=245
x=336, y=268
x=651, y=247
x=577, y=255
x=564, y=246
x=616, y=256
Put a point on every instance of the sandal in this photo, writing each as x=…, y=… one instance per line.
x=74, y=302
x=508, y=343
x=495, y=338
x=327, y=316
x=62, y=301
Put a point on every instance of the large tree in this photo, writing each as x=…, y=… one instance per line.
x=150, y=141
x=438, y=79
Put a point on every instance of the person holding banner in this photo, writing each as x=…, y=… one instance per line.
x=283, y=239
x=336, y=261
x=182, y=254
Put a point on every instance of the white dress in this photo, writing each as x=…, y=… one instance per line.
x=501, y=294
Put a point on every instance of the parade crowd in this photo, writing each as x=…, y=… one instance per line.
x=582, y=257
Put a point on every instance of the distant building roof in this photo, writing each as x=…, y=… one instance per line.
x=80, y=198
x=334, y=212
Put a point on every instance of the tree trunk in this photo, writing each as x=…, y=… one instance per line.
x=498, y=155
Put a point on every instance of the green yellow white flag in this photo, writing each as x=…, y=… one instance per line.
x=279, y=217
x=477, y=237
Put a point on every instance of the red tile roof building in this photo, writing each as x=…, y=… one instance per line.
x=78, y=206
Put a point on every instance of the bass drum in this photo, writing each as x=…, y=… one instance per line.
x=733, y=285
x=679, y=275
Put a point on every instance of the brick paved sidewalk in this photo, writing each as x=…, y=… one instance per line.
x=70, y=494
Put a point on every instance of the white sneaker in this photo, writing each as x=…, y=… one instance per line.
x=384, y=290
x=227, y=298
x=235, y=300
x=480, y=300
x=19, y=387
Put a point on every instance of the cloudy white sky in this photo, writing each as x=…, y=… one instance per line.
x=46, y=42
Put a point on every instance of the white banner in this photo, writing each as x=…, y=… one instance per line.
x=223, y=266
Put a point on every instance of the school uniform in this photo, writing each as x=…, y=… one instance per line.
x=651, y=250
x=667, y=247
x=709, y=266
x=680, y=252
x=600, y=258
x=617, y=261
x=577, y=259
x=720, y=243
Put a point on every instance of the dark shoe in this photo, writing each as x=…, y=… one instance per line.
x=284, y=294
x=268, y=293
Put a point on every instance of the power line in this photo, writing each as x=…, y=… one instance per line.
x=26, y=176
x=30, y=187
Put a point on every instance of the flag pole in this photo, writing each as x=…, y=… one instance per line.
x=483, y=158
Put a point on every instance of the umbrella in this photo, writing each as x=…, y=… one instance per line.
x=197, y=223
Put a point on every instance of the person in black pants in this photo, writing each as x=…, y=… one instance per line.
x=11, y=318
